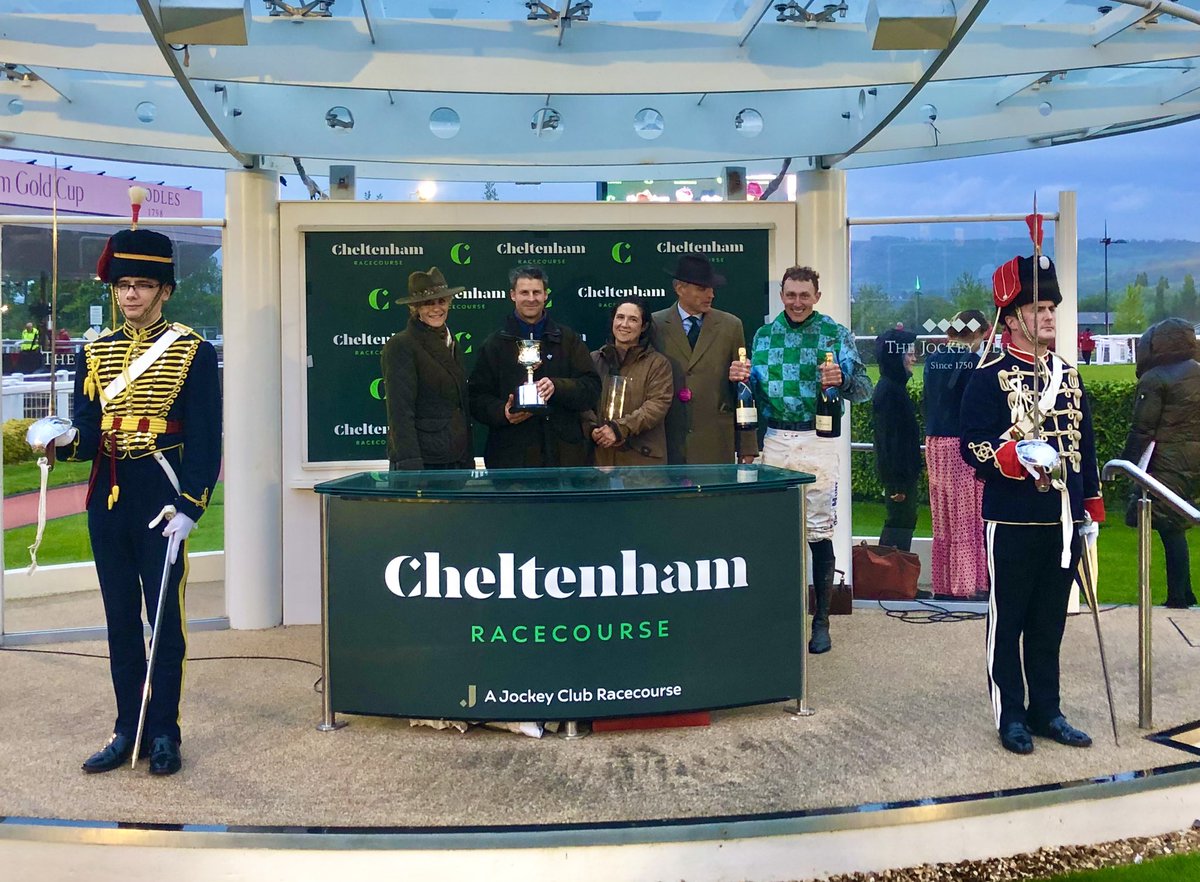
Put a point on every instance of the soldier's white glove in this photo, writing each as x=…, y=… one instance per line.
x=176, y=530
x=1089, y=530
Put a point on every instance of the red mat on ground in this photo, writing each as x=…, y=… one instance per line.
x=658, y=721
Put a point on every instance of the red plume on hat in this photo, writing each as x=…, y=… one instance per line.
x=1006, y=282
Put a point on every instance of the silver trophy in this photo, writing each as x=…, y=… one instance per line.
x=529, y=356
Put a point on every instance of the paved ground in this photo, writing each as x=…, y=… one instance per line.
x=22, y=509
x=901, y=714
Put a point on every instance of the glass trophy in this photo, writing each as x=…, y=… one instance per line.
x=612, y=398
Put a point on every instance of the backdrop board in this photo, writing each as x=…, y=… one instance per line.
x=563, y=593
x=352, y=277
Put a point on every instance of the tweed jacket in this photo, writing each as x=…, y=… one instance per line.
x=702, y=429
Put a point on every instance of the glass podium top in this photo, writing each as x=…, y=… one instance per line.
x=565, y=483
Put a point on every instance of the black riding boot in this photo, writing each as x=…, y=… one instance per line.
x=822, y=567
x=897, y=537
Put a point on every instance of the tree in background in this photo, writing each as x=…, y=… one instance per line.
x=1160, y=300
x=967, y=292
x=1130, y=316
x=1185, y=303
x=872, y=311
x=1142, y=280
x=198, y=301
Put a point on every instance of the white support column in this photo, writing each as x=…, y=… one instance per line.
x=823, y=242
x=1066, y=265
x=253, y=415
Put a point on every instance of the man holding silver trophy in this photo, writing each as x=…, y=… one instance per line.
x=533, y=379
x=1026, y=428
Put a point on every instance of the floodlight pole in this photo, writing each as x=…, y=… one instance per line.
x=1106, y=241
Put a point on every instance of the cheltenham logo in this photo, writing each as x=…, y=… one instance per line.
x=539, y=248
x=363, y=249
x=460, y=253
x=628, y=578
x=621, y=253
x=610, y=291
x=710, y=247
x=377, y=389
x=459, y=337
x=378, y=299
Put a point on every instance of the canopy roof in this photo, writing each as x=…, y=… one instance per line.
x=475, y=90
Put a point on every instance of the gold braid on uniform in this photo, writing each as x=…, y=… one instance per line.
x=146, y=401
x=983, y=451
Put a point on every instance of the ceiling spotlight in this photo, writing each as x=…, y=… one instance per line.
x=793, y=11
x=539, y=11
x=299, y=11
x=339, y=118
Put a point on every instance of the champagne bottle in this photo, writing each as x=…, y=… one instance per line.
x=746, y=414
x=829, y=408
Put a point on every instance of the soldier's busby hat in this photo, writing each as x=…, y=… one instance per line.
x=425, y=286
x=1012, y=283
x=140, y=253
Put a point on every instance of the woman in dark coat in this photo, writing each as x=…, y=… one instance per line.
x=1167, y=414
x=897, y=437
x=636, y=434
x=425, y=384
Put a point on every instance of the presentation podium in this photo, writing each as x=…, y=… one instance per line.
x=562, y=594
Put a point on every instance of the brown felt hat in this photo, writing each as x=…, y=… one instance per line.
x=426, y=286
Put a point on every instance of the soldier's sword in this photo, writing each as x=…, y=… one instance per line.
x=1089, y=591
x=172, y=544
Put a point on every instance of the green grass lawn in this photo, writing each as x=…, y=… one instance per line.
x=66, y=539
x=1117, y=552
x=22, y=477
x=1169, y=868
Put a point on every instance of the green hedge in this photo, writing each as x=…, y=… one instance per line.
x=15, y=447
x=1112, y=411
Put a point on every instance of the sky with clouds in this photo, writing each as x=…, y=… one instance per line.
x=1147, y=184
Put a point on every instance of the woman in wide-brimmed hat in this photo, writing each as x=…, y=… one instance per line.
x=425, y=383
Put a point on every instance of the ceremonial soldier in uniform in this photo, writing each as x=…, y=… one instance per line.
x=1027, y=430
x=148, y=414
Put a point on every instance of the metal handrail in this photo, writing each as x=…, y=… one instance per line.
x=1147, y=484
x=1151, y=484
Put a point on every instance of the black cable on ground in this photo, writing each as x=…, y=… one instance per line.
x=933, y=615
x=300, y=661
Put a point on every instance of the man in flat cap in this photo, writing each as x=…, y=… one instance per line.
x=148, y=414
x=1026, y=428
x=703, y=345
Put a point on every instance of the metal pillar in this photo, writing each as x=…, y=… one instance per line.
x=1145, y=657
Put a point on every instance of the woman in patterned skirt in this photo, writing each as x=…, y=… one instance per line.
x=958, y=560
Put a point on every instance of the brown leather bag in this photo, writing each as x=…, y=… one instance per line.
x=882, y=572
x=841, y=603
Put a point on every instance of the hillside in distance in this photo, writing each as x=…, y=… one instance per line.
x=894, y=263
